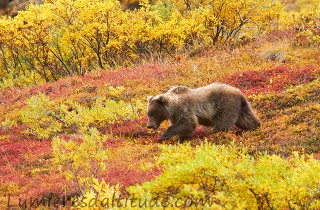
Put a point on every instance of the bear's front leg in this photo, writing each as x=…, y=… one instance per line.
x=182, y=129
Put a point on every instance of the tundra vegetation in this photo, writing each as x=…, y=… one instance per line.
x=75, y=75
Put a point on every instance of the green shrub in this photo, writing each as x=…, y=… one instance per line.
x=45, y=118
x=230, y=178
x=81, y=159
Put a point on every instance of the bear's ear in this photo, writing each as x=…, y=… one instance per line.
x=150, y=98
x=160, y=98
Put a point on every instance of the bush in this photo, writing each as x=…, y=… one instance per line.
x=99, y=196
x=81, y=159
x=229, y=178
x=309, y=24
x=225, y=21
x=66, y=37
x=40, y=116
x=44, y=118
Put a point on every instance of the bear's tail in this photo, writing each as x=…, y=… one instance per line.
x=247, y=119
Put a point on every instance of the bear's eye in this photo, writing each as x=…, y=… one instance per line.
x=151, y=114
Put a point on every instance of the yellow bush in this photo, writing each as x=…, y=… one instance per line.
x=98, y=196
x=226, y=20
x=45, y=118
x=309, y=23
x=81, y=160
x=66, y=37
x=41, y=117
x=226, y=177
x=216, y=177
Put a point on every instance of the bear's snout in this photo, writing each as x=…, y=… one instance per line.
x=154, y=127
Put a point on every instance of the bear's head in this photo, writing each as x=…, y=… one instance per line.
x=157, y=111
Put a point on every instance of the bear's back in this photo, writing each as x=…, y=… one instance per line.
x=216, y=89
x=211, y=94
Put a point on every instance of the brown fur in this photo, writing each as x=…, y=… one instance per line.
x=219, y=106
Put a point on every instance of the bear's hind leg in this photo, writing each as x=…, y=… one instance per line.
x=224, y=120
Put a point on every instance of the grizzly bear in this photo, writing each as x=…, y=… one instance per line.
x=219, y=106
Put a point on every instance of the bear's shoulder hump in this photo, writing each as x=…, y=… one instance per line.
x=179, y=89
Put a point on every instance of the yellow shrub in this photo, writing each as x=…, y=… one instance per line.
x=66, y=37
x=227, y=177
x=226, y=20
x=98, y=196
x=309, y=23
x=81, y=160
x=45, y=119
x=40, y=116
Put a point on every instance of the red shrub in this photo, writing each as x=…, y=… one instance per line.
x=126, y=176
x=276, y=79
x=27, y=164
